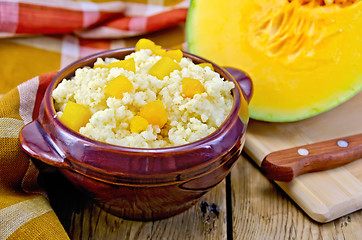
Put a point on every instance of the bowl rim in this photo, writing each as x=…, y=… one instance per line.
x=70, y=70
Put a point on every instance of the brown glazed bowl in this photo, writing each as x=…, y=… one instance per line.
x=136, y=183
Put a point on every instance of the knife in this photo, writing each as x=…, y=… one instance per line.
x=284, y=165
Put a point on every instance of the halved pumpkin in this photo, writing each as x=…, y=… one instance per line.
x=304, y=56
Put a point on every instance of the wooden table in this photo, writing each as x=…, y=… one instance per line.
x=249, y=206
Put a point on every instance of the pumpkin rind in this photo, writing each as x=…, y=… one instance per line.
x=303, y=59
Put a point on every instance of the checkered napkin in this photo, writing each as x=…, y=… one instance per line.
x=104, y=19
x=38, y=37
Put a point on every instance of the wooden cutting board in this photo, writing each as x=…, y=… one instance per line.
x=326, y=195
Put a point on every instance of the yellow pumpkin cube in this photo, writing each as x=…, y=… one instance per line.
x=155, y=113
x=128, y=64
x=164, y=67
x=174, y=54
x=191, y=86
x=158, y=50
x=138, y=124
x=118, y=86
x=75, y=116
x=144, y=43
x=203, y=65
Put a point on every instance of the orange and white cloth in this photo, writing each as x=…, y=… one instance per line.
x=37, y=38
x=98, y=19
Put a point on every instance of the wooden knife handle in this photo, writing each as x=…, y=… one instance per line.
x=286, y=164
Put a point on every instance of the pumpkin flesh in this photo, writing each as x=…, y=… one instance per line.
x=304, y=57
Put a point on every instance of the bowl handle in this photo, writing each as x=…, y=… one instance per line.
x=35, y=142
x=244, y=81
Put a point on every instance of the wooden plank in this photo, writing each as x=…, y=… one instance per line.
x=261, y=210
x=326, y=195
x=83, y=219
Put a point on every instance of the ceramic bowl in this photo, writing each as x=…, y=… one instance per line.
x=136, y=183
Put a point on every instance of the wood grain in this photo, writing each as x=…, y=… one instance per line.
x=326, y=195
x=261, y=210
x=94, y=223
x=83, y=219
